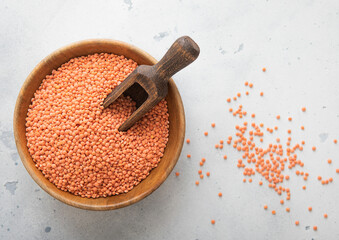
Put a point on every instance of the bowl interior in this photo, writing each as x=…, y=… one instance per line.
x=156, y=176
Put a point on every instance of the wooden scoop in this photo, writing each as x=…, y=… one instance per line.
x=147, y=85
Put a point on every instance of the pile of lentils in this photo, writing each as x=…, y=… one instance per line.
x=76, y=144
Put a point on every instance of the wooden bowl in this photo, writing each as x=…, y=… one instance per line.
x=176, y=125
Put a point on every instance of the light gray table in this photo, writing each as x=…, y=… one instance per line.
x=298, y=43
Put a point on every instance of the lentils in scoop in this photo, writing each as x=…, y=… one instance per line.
x=76, y=144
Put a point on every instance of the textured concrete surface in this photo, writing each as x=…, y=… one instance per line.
x=298, y=43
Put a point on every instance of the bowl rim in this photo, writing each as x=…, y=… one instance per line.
x=31, y=170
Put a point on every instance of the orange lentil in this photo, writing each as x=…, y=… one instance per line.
x=247, y=93
x=287, y=209
x=281, y=201
x=239, y=94
x=302, y=128
x=231, y=109
x=304, y=187
x=244, y=180
x=315, y=228
x=325, y=215
x=246, y=83
x=234, y=98
x=225, y=157
x=314, y=148
x=275, y=128
x=253, y=115
x=208, y=174
x=289, y=119
x=213, y=221
x=197, y=183
x=72, y=138
x=273, y=212
x=335, y=141
x=297, y=223
x=264, y=69
x=213, y=125
x=221, y=141
x=302, y=142
x=250, y=180
x=303, y=109
x=217, y=146
x=265, y=207
x=203, y=160
x=205, y=133
x=337, y=170
x=278, y=117
x=228, y=100
x=289, y=131
x=329, y=161
x=250, y=85
x=188, y=140
x=201, y=176
x=188, y=155
x=330, y=179
x=177, y=174
x=260, y=183
x=310, y=209
x=201, y=163
x=220, y=194
x=199, y=171
x=261, y=94
x=319, y=178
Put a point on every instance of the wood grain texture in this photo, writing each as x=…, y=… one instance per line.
x=176, y=125
x=148, y=85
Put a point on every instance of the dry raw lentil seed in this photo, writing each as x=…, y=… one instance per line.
x=76, y=144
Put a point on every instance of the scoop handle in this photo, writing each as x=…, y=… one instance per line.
x=182, y=53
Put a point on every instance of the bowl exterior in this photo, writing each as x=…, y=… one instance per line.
x=176, y=125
